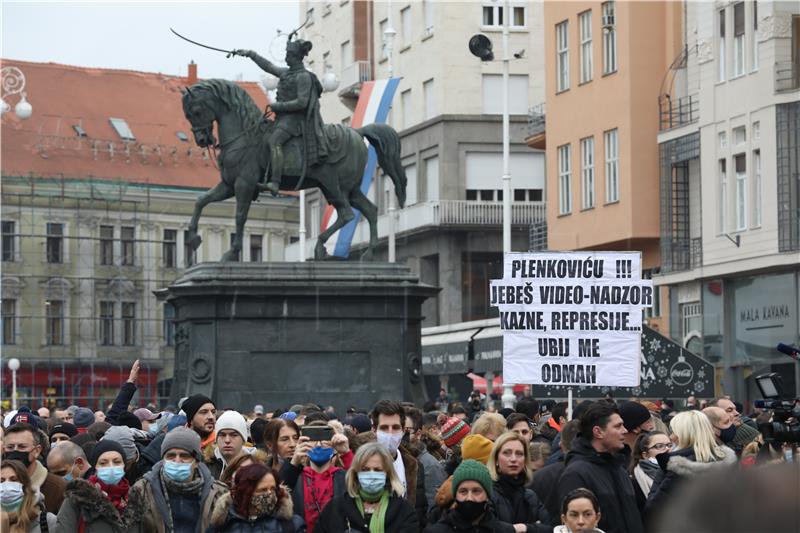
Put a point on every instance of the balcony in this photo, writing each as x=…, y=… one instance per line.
x=681, y=254
x=536, y=127
x=787, y=76
x=674, y=113
x=353, y=75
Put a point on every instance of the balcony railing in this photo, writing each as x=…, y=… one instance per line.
x=353, y=75
x=682, y=254
x=536, y=120
x=787, y=76
x=674, y=113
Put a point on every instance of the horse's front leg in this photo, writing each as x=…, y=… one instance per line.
x=244, y=197
x=220, y=192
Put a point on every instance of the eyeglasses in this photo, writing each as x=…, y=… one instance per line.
x=659, y=446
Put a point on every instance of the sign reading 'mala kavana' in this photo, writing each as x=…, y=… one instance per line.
x=572, y=318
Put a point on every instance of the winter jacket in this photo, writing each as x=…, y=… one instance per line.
x=148, y=494
x=520, y=505
x=121, y=402
x=342, y=514
x=451, y=522
x=605, y=475
x=225, y=519
x=50, y=486
x=434, y=475
x=545, y=485
x=679, y=466
x=82, y=499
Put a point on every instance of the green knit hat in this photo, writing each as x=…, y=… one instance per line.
x=472, y=470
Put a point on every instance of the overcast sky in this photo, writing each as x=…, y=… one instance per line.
x=135, y=34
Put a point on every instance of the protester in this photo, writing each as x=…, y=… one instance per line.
x=722, y=425
x=374, y=500
x=540, y=452
x=434, y=471
x=521, y=425
x=231, y=435
x=22, y=508
x=580, y=511
x=257, y=503
x=280, y=437
x=643, y=466
x=240, y=462
x=636, y=419
x=471, y=491
x=545, y=481
x=100, y=504
x=178, y=494
x=509, y=466
x=146, y=417
x=553, y=425
x=68, y=460
x=20, y=444
x=43, y=413
x=598, y=461
x=201, y=416
x=62, y=432
x=257, y=428
x=82, y=419
x=490, y=425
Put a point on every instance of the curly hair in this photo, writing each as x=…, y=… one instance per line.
x=245, y=483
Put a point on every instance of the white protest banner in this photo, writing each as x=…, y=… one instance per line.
x=572, y=318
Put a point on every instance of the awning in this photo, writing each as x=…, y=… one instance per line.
x=487, y=348
x=446, y=353
x=479, y=384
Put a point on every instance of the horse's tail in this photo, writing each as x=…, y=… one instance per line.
x=387, y=144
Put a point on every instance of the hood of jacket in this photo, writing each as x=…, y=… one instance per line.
x=92, y=505
x=685, y=464
x=224, y=512
x=582, y=450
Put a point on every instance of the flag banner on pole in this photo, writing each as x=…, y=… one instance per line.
x=374, y=103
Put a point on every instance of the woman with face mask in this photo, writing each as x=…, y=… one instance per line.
x=257, y=503
x=643, y=468
x=100, y=503
x=696, y=455
x=22, y=508
x=374, y=501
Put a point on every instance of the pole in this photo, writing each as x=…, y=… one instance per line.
x=569, y=403
x=14, y=389
x=388, y=36
x=302, y=226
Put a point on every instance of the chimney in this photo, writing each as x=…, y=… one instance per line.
x=192, y=77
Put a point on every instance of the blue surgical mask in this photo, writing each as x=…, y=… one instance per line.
x=110, y=475
x=177, y=471
x=11, y=496
x=68, y=477
x=372, y=482
x=319, y=455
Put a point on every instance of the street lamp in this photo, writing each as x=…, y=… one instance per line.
x=388, y=43
x=14, y=83
x=13, y=365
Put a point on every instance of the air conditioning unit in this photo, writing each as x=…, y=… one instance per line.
x=608, y=22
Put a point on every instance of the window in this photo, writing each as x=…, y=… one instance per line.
x=587, y=173
x=382, y=27
x=754, y=38
x=738, y=39
x=405, y=102
x=128, y=324
x=190, y=256
x=54, y=326
x=758, y=186
x=55, y=242
x=739, y=136
x=106, y=323
x=477, y=268
x=411, y=186
x=170, y=248
x=106, y=245
x=741, y=191
x=492, y=86
x=655, y=310
x=122, y=129
x=9, y=321
x=609, y=38
x=723, y=196
x=723, y=140
x=427, y=13
x=169, y=324
x=405, y=23
x=314, y=218
x=691, y=319
x=562, y=57
x=432, y=177
x=127, y=239
x=493, y=15
x=256, y=248
x=721, y=47
x=9, y=240
x=585, y=20
x=347, y=54
x=756, y=130
x=612, y=166
x=564, y=180
x=430, y=99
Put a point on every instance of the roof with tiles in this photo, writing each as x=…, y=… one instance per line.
x=48, y=145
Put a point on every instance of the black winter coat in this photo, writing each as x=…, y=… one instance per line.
x=605, y=475
x=515, y=504
x=545, y=485
x=342, y=514
x=451, y=522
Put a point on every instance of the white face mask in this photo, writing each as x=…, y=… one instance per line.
x=391, y=441
x=653, y=460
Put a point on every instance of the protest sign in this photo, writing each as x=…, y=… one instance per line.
x=572, y=318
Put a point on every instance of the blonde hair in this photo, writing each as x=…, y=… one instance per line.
x=489, y=424
x=501, y=441
x=363, y=455
x=693, y=430
x=29, y=511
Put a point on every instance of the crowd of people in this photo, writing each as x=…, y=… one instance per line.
x=614, y=467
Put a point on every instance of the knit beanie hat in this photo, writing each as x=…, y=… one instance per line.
x=123, y=436
x=64, y=428
x=128, y=419
x=183, y=439
x=744, y=435
x=232, y=420
x=193, y=404
x=98, y=429
x=476, y=447
x=83, y=418
x=633, y=414
x=105, y=446
x=453, y=430
x=471, y=470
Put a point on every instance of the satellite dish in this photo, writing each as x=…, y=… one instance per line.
x=481, y=47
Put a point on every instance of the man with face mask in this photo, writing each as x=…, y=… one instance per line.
x=20, y=444
x=722, y=422
x=68, y=460
x=179, y=494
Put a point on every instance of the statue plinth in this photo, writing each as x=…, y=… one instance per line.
x=332, y=333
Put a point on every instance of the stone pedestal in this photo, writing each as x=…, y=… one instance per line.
x=277, y=334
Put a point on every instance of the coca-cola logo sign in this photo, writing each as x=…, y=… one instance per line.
x=681, y=373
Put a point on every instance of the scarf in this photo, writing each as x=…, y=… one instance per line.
x=116, y=494
x=645, y=475
x=513, y=488
x=191, y=487
x=376, y=523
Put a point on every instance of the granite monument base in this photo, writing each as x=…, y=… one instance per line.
x=342, y=334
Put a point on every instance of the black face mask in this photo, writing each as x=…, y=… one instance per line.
x=728, y=434
x=17, y=455
x=470, y=511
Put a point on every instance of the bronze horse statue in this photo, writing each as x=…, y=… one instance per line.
x=244, y=154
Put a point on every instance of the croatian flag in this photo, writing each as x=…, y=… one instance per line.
x=373, y=107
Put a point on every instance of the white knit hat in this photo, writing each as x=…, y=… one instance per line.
x=232, y=420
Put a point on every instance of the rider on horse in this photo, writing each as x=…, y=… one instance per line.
x=296, y=108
